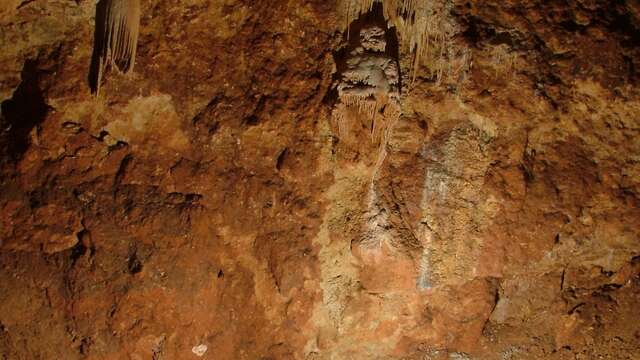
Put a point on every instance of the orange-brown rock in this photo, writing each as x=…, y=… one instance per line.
x=207, y=205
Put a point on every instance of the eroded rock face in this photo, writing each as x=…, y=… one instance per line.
x=208, y=205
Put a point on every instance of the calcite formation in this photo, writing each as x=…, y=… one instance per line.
x=115, y=38
x=427, y=33
x=372, y=179
x=368, y=89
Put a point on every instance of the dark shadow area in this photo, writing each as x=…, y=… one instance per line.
x=351, y=40
x=134, y=265
x=20, y=114
x=619, y=20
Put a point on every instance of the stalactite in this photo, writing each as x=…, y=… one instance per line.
x=115, y=38
x=381, y=110
x=368, y=90
x=425, y=31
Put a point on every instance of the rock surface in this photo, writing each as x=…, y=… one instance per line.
x=206, y=202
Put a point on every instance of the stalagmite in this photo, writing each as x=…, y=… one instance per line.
x=115, y=38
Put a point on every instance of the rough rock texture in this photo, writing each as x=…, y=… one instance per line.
x=206, y=206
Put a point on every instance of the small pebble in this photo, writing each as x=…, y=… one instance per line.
x=199, y=350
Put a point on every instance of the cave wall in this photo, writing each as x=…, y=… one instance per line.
x=209, y=202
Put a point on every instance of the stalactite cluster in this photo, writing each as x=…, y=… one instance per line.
x=368, y=89
x=425, y=30
x=116, y=38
